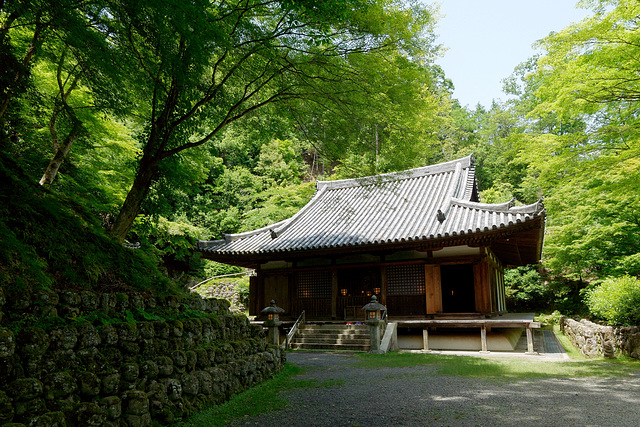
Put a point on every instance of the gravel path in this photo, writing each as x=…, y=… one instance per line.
x=415, y=396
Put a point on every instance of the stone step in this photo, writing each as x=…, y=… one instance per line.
x=331, y=340
x=333, y=326
x=335, y=332
x=336, y=336
x=332, y=337
x=324, y=346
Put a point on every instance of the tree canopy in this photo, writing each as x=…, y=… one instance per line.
x=169, y=121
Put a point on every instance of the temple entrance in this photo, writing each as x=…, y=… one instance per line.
x=355, y=287
x=458, y=294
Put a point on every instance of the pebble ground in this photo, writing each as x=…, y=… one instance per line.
x=416, y=396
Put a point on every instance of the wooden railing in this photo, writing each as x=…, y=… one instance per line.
x=294, y=330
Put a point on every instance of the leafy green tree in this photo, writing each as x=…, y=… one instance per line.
x=203, y=65
x=584, y=153
x=525, y=289
x=616, y=300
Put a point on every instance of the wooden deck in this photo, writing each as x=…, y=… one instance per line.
x=508, y=320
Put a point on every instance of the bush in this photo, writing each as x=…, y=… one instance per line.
x=616, y=300
x=525, y=289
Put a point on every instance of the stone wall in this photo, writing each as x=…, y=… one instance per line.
x=86, y=359
x=595, y=340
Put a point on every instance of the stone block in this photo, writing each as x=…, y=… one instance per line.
x=109, y=335
x=122, y=302
x=149, y=369
x=146, y=330
x=49, y=419
x=70, y=298
x=108, y=303
x=58, y=385
x=111, y=383
x=127, y=331
x=173, y=388
x=192, y=360
x=202, y=358
x=88, y=414
x=25, y=410
x=130, y=372
x=176, y=327
x=137, y=301
x=6, y=408
x=179, y=358
x=33, y=342
x=205, y=382
x=89, y=384
x=19, y=300
x=190, y=384
x=138, y=420
x=65, y=337
x=88, y=335
x=135, y=402
x=162, y=330
x=25, y=389
x=165, y=366
x=89, y=301
x=7, y=343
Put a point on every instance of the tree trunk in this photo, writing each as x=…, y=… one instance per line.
x=60, y=154
x=139, y=190
x=9, y=92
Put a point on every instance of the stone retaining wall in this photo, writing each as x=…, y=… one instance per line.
x=64, y=362
x=595, y=340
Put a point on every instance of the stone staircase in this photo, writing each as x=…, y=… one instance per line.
x=332, y=336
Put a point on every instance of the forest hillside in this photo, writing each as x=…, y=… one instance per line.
x=128, y=131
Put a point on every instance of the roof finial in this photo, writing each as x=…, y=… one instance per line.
x=273, y=233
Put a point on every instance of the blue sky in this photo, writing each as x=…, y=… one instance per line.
x=487, y=39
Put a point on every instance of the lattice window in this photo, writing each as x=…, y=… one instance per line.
x=314, y=284
x=405, y=280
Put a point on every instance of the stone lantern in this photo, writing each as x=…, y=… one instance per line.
x=273, y=322
x=373, y=311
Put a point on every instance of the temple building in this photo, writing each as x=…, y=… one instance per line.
x=419, y=240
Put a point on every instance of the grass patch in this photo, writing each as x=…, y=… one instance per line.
x=263, y=398
x=500, y=368
x=568, y=346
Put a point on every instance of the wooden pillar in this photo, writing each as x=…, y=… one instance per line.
x=483, y=339
x=530, y=341
x=334, y=293
x=253, y=295
x=482, y=287
x=383, y=285
x=259, y=301
x=425, y=338
x=433, y=288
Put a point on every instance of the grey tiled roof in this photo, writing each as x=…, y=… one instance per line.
x=432, y=202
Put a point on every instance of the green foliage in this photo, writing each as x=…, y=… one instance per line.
x=213, y=268
x=616, y=300
x=242, y=287
x=551, y=319
x=276, y=204
x=525, y=289
x=280, y=163
x=54, y=241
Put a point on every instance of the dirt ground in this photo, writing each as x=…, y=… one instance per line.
x=417, y=396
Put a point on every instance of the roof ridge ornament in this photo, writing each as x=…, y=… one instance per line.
x=441, y=216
